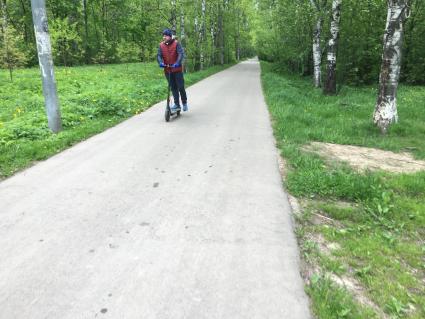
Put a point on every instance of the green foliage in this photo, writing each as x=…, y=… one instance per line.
x=414, y=45
x=360, y=46
x=12, y=52
x=111, y=31
x=284, y=35
x=128, y=52
x=66, y=42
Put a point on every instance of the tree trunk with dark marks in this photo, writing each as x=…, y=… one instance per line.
x=202, y=33
x=173, y=17
x=86, y=33
x=319, y=6
x=330, y=82
x=5, y=39
x=221, y=34
x=386, y=104
x=182, y=28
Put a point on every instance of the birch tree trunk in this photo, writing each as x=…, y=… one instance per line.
x=318, y=5
x=317, y=53
x=86, y=32
x=386, y=104
x=330, y=83
x=221, y=34
x=24, y=11
x=238, y=36
x=4, y=26
x=182, y=26
x=202, y=33
x=196, y=27
x=173, y=17
x=213, y=41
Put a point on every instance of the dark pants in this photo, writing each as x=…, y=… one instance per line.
x=176, y=81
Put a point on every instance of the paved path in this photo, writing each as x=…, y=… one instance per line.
x=186, y=219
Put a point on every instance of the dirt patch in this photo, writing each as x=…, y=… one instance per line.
x=358, y=292
x=364, y=158
x=283, y=167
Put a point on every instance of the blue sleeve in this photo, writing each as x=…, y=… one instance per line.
x=180, y=53
x=159, y=56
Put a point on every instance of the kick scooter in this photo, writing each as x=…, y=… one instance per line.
x=168, y=112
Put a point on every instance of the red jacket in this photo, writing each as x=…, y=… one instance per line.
x=170, y=55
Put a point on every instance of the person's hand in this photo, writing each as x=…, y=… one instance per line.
x=162, y=65
x=175, y=65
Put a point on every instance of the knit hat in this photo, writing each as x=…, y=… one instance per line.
x=167, y=32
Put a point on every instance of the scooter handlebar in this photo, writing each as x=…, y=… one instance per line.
x=163, y=65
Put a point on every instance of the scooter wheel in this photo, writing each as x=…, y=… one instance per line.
x=167, y=114
x=178, y=113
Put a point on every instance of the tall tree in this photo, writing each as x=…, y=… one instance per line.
x=220, y=32
x=319, y=7
x=330, y=83
x=173, y=16
x=86, y=33
x=386, y=104
x=11, y=54
x=238, y=32
x=182, y=28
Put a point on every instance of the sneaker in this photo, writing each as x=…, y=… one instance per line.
x=185, y=107
x=175, y=108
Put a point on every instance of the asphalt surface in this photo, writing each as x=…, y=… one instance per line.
x=186, y=219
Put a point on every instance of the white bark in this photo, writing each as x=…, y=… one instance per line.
x=238, y=36
x=213, y=43
x=202, y=33
x=173, y=16
x=182, y=27
x=386, y=105
x=317, y=53
x=330, y=84
x=221, y=34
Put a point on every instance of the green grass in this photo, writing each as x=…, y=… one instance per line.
x=378, y=218
x=92, y=98
x=336, y=302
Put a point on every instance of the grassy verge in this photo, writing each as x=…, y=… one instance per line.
x=92, y=98
x=362, y=235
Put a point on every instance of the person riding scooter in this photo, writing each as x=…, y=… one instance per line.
x=170, y=57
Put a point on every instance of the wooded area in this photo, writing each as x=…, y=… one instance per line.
x=366, y=40
x=119, y=31
x=286, y=29
x=356, y=42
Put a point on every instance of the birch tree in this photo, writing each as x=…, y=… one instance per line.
x=202, y=33
x=86, y=32
x=220, y=32
x=238, y=35
x=330, y=83
x=182, y=28
x=318, y=6
x=173, y=17
x=386, y=104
